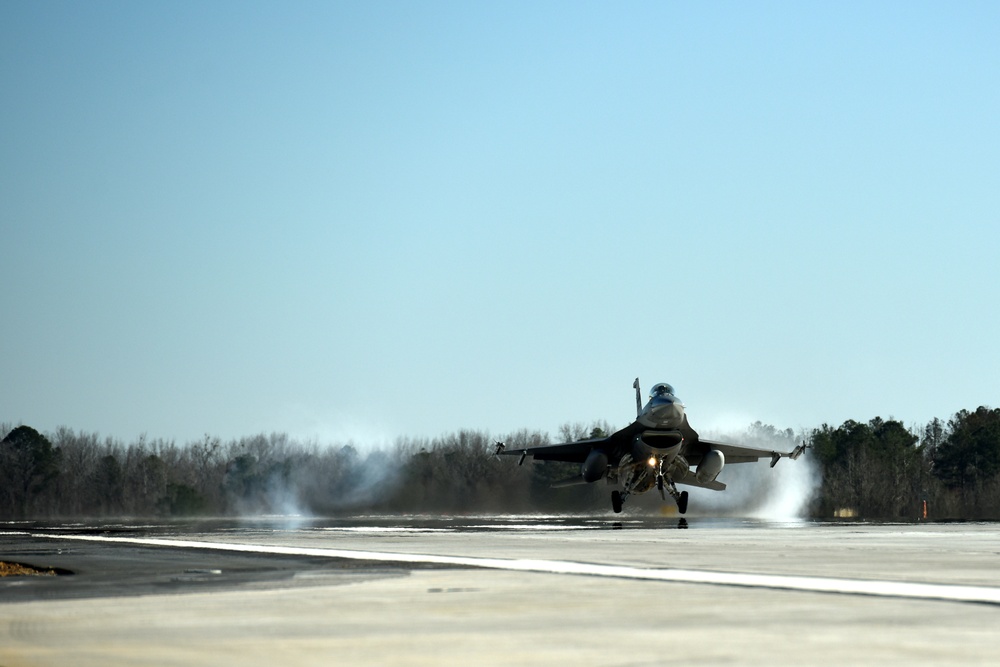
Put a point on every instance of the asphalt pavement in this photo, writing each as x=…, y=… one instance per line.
x=500, y=590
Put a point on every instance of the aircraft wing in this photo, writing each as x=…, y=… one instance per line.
x=570, y=452
x=741, y=454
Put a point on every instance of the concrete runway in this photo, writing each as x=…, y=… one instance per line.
x=502, y=590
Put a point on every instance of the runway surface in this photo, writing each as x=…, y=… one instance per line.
x=501, y=590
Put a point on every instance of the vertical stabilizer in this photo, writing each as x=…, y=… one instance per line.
x=638, y=398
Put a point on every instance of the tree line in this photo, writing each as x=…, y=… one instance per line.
x=878, y=469
x=881, y=469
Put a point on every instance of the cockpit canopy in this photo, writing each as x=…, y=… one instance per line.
x=660, y=389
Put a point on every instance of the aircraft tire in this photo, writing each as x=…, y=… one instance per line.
x=682, y=502
x=616, y=501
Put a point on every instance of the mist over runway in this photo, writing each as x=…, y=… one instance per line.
x=500, y=590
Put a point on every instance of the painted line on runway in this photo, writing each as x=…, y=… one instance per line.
x=892, y=589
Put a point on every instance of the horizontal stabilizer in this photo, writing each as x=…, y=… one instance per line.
x=689, y=478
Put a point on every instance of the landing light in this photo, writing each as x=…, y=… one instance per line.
x=652, y=461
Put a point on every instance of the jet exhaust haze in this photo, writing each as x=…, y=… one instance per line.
x=781, y=493
x=276, y=476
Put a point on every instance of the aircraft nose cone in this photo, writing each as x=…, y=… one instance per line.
x=667, y=408
x=662, y=406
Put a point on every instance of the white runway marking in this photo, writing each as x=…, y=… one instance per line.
x=893, y=589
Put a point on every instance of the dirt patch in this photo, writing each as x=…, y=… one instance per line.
x=21, y=570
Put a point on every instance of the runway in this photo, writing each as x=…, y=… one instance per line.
x=502, y=590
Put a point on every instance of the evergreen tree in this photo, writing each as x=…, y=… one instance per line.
x=970, y=454
x=28, y=464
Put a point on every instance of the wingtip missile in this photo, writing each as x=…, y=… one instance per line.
x=794, y=454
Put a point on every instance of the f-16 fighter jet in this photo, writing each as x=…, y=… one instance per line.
x=659, y=449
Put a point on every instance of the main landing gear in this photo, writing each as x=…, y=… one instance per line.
x=636, y=477
x=682, y=502
x=680, y=497
x=664, y=483
x=616, y=501
x=617, y=498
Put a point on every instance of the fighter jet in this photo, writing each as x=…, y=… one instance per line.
x=658, y=449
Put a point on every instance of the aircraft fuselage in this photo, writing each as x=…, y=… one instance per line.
x=662, y=423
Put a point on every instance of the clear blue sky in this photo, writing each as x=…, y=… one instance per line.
x=373, y=219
